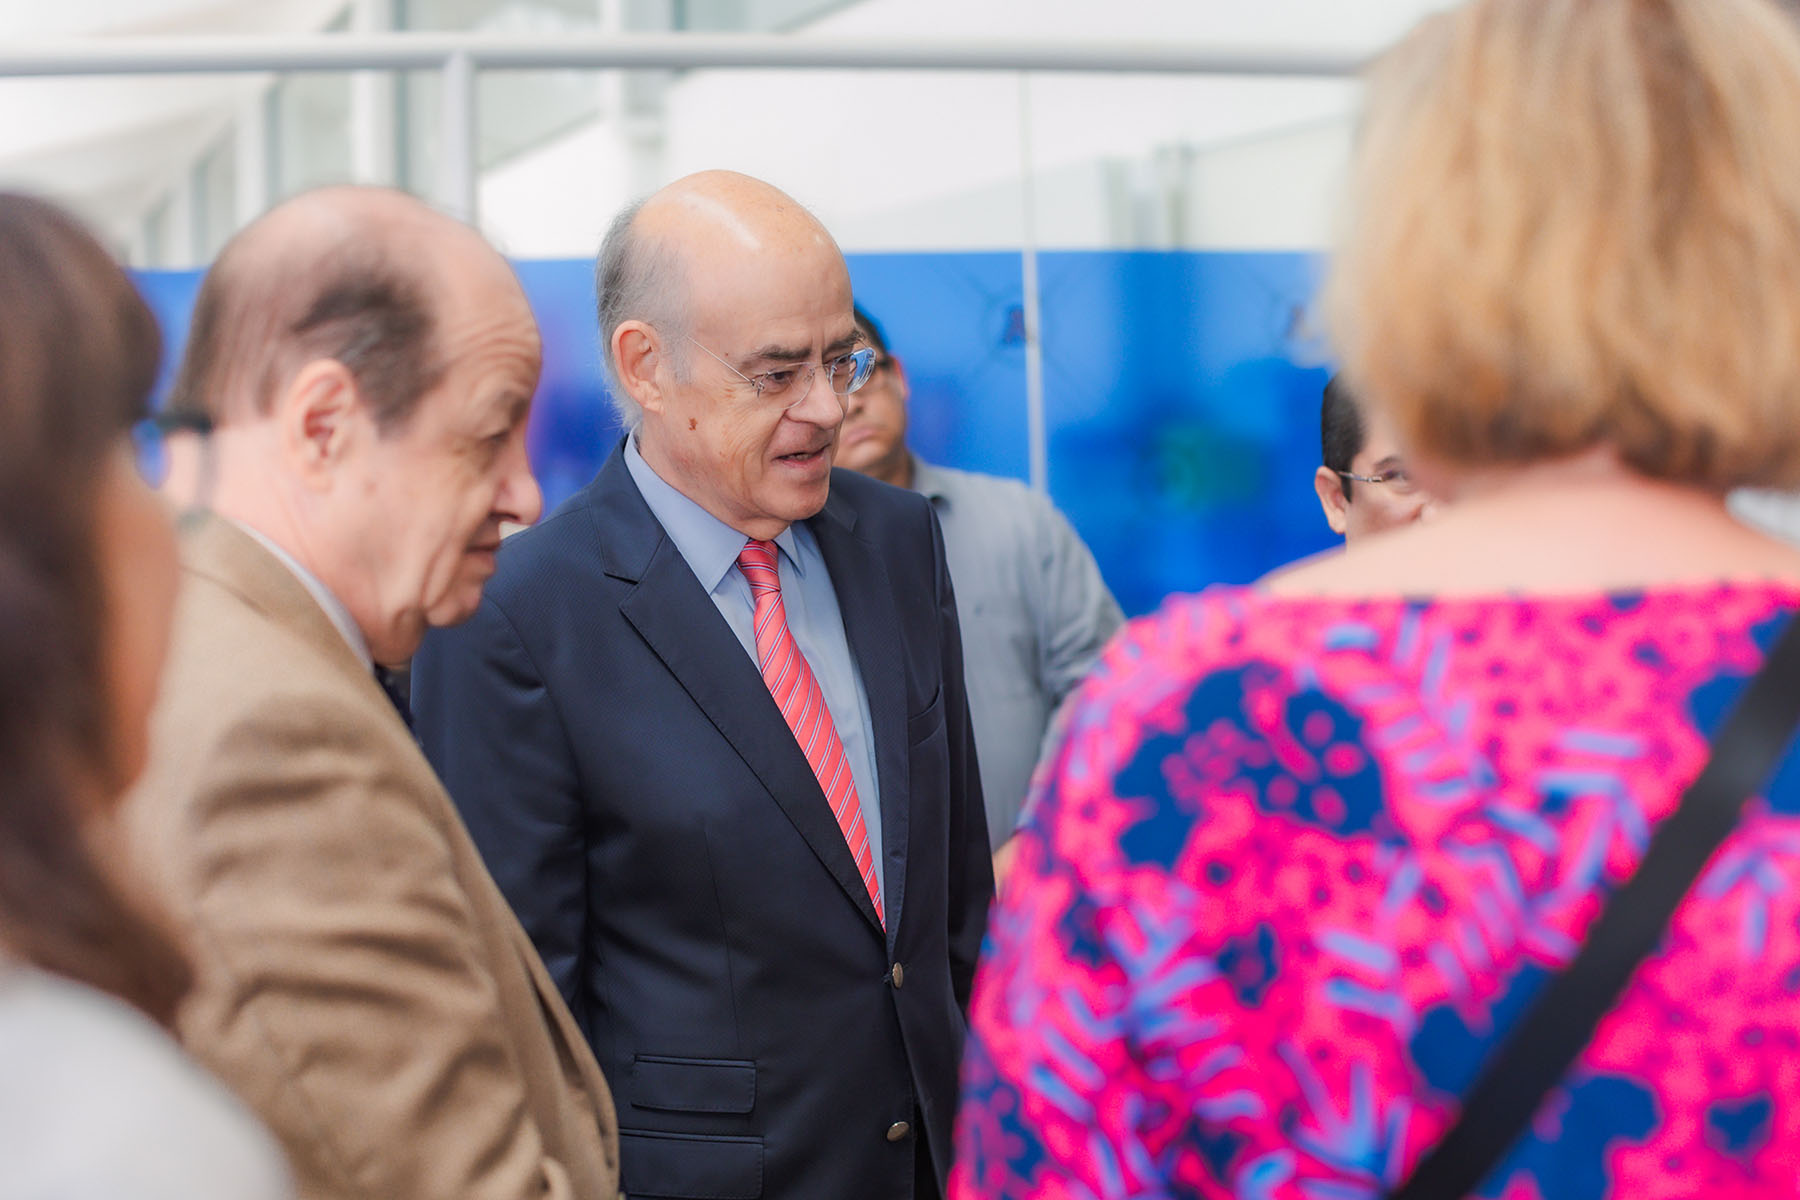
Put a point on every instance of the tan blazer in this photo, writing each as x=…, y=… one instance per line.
x=362, y=983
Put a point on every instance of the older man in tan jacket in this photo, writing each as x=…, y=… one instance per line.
x=368, y=366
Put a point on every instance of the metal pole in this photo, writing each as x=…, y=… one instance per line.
x=1037, y=432
x=425, y=51
x=372, y=157
x=456, y=138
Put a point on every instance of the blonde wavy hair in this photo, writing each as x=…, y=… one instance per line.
x=1575, y=223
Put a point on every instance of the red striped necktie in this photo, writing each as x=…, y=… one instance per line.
x=797, y=693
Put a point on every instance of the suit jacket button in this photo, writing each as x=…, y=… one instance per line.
x=898, y=975
x=898, y=1130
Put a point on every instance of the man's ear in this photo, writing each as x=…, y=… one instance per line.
x=319, y=413
x=1330, y=487
x=637, y=350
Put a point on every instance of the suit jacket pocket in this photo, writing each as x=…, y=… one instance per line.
x=922, y=725
x=695, y=1085
x=689, y=1166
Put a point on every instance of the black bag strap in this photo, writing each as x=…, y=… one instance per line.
x=1561, y=1021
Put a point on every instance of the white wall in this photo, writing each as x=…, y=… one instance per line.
x=933, y=160
x=922, y=161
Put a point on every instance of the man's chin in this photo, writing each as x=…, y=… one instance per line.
x=803, y=502
x=460, y=604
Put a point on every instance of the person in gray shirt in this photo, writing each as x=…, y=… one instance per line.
x=1033, y=608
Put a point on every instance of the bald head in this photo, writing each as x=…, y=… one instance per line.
x=667, y=252
x=353, y=274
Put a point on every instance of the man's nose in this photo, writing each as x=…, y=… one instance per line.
x=520, y=501
x=819, y=405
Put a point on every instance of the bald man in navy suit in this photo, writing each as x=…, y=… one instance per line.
x=743, y=825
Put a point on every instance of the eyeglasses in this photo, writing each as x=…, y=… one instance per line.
x=845, y=374
x=1395, y=478
x=174, y=454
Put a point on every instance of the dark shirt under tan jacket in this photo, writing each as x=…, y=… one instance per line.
x=362, y=983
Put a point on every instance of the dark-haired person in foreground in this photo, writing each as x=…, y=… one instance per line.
x=96, y=1101
x=1363, y=484
x=368, y=365
x=1034, y=610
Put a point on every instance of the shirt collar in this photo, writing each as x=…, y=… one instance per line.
x=929, y=482
x=709, y=545
x=334, y=608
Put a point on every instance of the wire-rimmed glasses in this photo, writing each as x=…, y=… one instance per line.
x=844, y=374
x=1395, y=478
x=174, y=455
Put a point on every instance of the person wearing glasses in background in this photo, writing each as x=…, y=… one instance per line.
x=1035, y=612
x=709, y=729
x=1363, y=485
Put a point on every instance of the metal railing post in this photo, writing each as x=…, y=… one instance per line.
x=161, y=55
x=1037, y=436
x=457, y=166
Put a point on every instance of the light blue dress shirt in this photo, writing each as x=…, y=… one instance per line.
x=710, y=547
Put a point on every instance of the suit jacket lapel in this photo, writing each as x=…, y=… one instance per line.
x=681, y=625
x=218, y=550
x=872, y=625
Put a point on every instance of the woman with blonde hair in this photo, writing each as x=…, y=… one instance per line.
x=95, y=1099
x=1311, y=849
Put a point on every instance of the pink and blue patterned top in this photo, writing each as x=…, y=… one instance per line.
x=1301, y=863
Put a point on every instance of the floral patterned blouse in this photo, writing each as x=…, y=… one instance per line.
x=1300, y=864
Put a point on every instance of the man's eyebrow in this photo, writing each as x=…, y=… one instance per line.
x=774, y=353
x=516, y=407
x=1388, y=464
x=782, y=354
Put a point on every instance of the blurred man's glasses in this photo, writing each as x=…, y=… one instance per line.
x=1395, y=479
x=175, y=456
x=845, y=374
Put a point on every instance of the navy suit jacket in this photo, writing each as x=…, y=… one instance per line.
x=644, y=806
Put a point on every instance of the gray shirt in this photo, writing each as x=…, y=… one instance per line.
x=1035, y=615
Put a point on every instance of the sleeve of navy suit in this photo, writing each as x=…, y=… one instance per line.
x=490, y=727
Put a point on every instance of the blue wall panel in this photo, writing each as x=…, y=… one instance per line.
x=1183, y=436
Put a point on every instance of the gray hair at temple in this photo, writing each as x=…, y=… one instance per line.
x=638, y=278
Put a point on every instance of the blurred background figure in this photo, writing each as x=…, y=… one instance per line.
x=1363, y=486
x=1312, y=846
x=1033, y=608
x=95, y=1100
